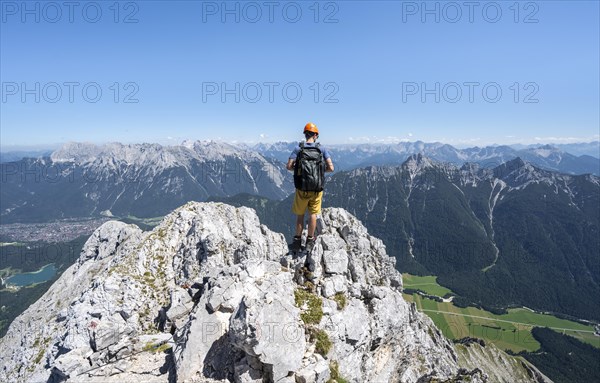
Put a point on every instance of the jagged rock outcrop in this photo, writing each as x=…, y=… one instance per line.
x=210, y=295
x=501, y=368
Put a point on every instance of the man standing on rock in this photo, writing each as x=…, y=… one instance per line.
x=309, y=161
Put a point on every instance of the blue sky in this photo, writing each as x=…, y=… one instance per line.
x=366, y=70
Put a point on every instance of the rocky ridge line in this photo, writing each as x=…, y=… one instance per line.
x=210, y=295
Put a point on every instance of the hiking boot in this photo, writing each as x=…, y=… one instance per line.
x=297, y=244
x=310, y=243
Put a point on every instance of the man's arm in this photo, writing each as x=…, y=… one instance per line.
x=329, y=167
x=290, y=164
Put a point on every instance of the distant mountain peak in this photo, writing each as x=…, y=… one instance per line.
x=416, y=164
x=546, y=151
x=515, y=163
x=76, y=152
x=518, y=173
x=518, y=166
x=419, y=160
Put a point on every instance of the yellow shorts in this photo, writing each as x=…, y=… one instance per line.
x=307, y=199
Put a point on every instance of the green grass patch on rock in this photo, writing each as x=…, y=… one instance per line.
x=156, y=348
x=311, y=306
x=340, y=299
x=322, y=342
x=334, y=372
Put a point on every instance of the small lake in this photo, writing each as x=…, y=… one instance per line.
x=26, y=279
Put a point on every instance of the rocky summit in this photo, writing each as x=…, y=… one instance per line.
x=211, y=295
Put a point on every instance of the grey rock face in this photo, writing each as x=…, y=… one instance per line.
x=211, y=295
x=500, y=367
x=317, y=371
x=333, y=285
x=143, y=180
x=336, y=261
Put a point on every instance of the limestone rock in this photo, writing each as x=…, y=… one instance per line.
x=209, y=295
x=499, y=366
x=336, y=261
x=333, y=285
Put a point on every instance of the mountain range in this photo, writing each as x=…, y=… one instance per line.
x=145, y=180
x=588, y=148
x=577, y=158
x=348, y=157
x=80, y=179
x=513, y=235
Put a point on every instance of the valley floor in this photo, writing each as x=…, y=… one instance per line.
x=511, y=331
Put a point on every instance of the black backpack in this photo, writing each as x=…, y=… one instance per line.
x=309, y=170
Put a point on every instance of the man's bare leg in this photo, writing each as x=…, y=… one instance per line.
x=300, y=225
x=312, y=224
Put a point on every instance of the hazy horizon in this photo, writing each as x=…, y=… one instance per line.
x=57, y=145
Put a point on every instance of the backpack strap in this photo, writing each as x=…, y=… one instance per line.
x=302, y=143
x=318, y=147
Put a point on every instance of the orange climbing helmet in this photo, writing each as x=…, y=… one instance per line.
x=310, y=127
